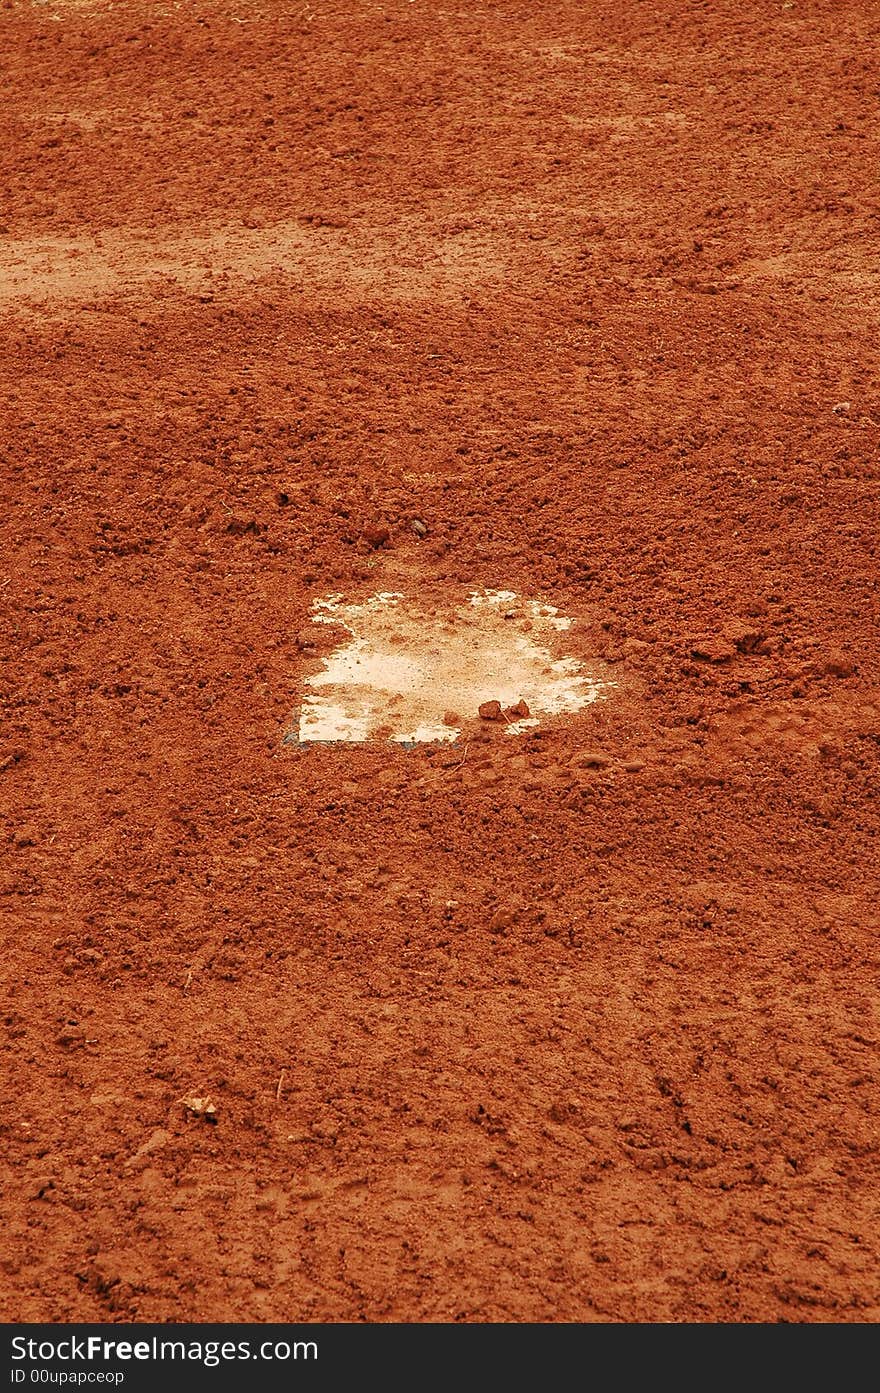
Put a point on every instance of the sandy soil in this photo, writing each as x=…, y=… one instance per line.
x=582, y=1027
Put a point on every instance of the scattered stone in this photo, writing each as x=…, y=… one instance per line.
x=418, y=527
x=451, y=718
x=490, y=711
x=28, y=835
x=375, y=535
x=200, y=1107
x=71, y=1037
x=634, y=766
x=842, y=408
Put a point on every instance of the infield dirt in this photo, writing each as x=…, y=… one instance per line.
x=575, y=300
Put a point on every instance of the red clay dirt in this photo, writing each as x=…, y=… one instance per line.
x=576, y=1026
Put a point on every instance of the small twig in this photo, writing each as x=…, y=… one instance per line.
x=463, y=758
x=188, y=980
x=280, y=1082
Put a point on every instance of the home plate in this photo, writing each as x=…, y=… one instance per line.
x=415, y=674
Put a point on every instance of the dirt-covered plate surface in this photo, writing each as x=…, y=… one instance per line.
x=576, y=302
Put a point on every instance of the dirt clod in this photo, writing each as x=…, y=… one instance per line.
x=712, y=649
x=490, y=711
x=376, y=535
x=838, y=665
x=592, y=759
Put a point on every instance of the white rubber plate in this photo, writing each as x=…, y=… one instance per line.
x=414, y=675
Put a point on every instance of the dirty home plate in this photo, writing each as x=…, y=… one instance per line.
x=414, y=675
